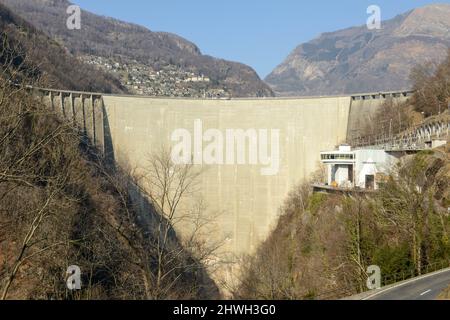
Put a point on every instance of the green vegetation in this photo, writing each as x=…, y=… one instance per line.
x=323, y=245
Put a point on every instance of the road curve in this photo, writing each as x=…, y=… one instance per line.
x=427, y=287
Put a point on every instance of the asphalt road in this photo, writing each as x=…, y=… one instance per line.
x=427, y=287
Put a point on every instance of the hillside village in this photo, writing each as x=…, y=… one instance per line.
x=168, y=81
x=86, y=180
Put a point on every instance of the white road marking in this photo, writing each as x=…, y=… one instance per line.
x=424, y=293
x=406, y=282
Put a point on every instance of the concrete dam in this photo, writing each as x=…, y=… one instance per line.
x=242, y=189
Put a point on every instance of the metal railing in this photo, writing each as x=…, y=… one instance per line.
x=412, y=273
x=413, y=139
x=385, y=280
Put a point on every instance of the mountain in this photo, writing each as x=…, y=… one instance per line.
x=138, y=52
x=49, y=61
x=362, y=60
x=61, y=204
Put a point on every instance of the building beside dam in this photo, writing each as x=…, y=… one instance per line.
x=360, y=169
x=365, y=165
x=251, y=152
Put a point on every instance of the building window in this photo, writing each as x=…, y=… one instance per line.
x=337, y=156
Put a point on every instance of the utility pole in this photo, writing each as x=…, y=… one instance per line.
x=390, y=129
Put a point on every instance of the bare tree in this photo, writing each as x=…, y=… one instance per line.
x=169, y=186
x=60, y=206
x=432, y=87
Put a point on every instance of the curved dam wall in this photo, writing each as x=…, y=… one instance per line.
x=364, y=107
x=243, y=195
x=245, y=200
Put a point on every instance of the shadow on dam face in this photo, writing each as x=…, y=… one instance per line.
x=232, y=142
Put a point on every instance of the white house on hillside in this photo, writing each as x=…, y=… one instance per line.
x=363, y=168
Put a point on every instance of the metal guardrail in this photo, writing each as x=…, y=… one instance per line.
x=412, y=273
x=386, y=280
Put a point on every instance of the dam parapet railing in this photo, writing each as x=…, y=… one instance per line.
x=382, y=95
x=84, y=109
x=354, y=96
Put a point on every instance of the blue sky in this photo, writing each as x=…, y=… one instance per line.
x=259, y=33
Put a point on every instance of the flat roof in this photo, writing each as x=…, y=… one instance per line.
x=338, y=152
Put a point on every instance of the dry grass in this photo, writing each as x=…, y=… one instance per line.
x=445, y=295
